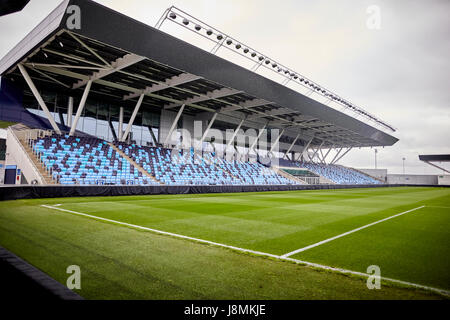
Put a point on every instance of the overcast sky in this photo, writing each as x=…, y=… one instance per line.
x=400, y=72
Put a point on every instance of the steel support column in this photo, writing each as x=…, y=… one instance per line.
x=234, y=134
x=133, y=116
x=69, y=112
x=292, y=145
x=315, y=152
x=174, y=124
x=276, y=141
x=337, y=155
x=80, y=108
x=326, y=155
x=120, y=123
x=305, y=148
x=261, y=131
x=39, y=98
x=342, y=155
x=209, y=127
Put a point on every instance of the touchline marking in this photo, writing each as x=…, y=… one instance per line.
x=347, y=233
x=161, y=232
x=259, y=253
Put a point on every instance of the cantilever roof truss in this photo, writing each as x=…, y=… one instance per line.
x=67, y=59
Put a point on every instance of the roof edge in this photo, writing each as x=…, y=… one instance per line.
x=33, y=39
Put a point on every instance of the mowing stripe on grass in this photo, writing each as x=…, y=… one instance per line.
x=259, y=253
x=347, y=233
x=162, y=232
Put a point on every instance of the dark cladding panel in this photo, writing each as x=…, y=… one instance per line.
x=435, y=157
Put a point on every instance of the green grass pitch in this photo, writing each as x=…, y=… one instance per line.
x=119, y=262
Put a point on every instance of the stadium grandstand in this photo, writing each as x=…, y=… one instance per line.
x=133, y=105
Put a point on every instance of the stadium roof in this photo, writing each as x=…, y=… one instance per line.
x=125, y=58
x=435, y=157
x=11, y=6
x=432, y=158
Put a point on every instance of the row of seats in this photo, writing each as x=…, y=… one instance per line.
x=337, y=174
x=87, y=160
x=249, y=172
x=83, y=160
x=173, y=167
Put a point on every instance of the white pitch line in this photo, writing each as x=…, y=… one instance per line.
x=259, y=253
x=162, y=232
x=347, y=233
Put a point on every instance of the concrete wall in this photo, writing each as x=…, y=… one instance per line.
x=376, y=173
x=16, y=155
x=412, y=179
x=444, y=180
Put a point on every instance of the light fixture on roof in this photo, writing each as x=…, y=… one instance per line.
x=209, y=32
x=261, y=58
x=198, y=27
x=61, y=45
x=253, y=54
x=238, y=46
x=172, y=15
x=219, y=37
x=185, y=21
x=246, y=50
x=45, y=55
x=229, y=42
x=274, y=65
x=267, y=61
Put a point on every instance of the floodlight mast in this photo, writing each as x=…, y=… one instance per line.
x=195, y=25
